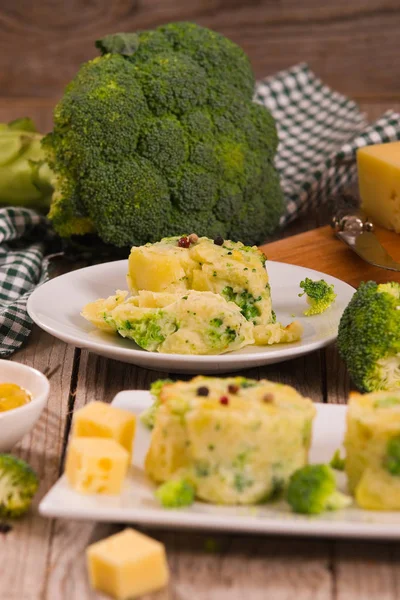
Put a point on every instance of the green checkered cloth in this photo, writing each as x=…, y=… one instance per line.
x=319, y=131
x=23, y=237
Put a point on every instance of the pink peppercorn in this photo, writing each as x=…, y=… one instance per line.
x=184, y=242
x=224, y=400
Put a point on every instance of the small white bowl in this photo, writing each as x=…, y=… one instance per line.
x=15, y=423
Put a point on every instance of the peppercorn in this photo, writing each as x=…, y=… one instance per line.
x=268, y=398
x=224, y=400
x=193, y=238
x=184, y=242
x=203, y=391
x=218, y=241
x=233, y=389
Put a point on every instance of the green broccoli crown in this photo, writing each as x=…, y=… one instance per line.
x=18, y=485
x=176, y=493
x=392, y=460
x=320, y=295
x=369, y=337
x=312, y=490
x=160, y=135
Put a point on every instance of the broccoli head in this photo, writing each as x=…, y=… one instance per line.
x=312, y=490
x=160, y=135
x=320, y=295
x=176, y=493
x=369, y=337
x=18, y=485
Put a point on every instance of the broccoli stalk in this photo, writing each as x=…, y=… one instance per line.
x=25, y=177
x=312, y=490
x=176, y=493
x=160, y=135
x=369, y=337
x=18, y=485
x=320, y=295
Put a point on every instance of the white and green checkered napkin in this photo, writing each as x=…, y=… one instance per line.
x=319, y=131
x=23, y=234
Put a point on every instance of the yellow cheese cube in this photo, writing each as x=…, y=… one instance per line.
x=96, y=465
x=98, y=419
x=127, y=565
x=379, y=183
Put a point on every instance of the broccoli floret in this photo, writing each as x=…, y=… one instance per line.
x=392, y=461
x=245, y=301
x=18, y=485
x=150, y=331
x=337, y=462
x=159, y=135
x=148, y=416
x=312, y=489
x=176, y=493
x=320, y=295
x=220, y=335
x=369, y=337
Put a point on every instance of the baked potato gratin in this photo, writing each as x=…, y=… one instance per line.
x=193, y=295
x=372, y=444
x=236, y=440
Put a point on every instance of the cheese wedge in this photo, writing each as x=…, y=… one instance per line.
x=379, y=183
x=127, y=565
x=96, y=465
x=98, y=419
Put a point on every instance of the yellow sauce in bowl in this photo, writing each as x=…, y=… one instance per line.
x=12, y=396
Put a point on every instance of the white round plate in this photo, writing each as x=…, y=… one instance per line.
x=56, y=307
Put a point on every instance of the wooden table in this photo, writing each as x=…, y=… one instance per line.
x=45, y=559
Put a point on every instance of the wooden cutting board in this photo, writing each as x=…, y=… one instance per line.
x=321, y=250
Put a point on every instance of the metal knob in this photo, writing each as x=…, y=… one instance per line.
x=353, y=224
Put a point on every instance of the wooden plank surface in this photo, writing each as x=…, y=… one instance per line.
x=24, y=550
x=353, y=46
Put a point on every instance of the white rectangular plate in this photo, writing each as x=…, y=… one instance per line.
x=137, y=504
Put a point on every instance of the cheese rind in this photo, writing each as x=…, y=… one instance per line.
x=96, y=465
x=379, y=183
x=127, y=565
x=98, y=419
